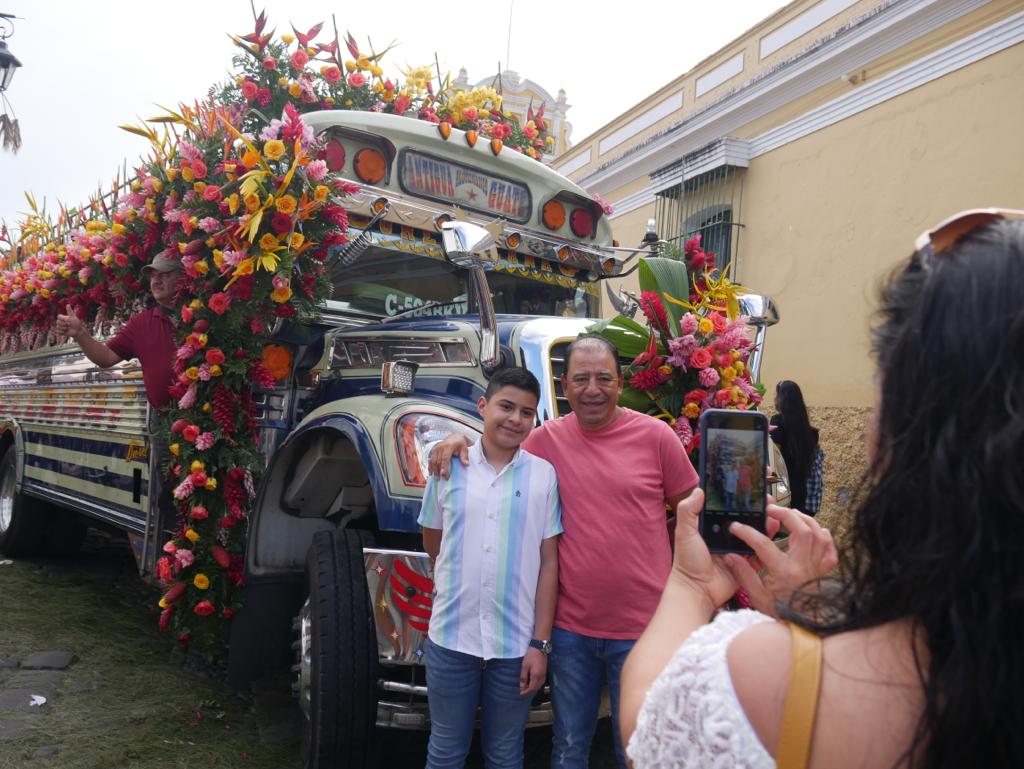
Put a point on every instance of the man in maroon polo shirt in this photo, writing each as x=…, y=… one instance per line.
x=148, y=336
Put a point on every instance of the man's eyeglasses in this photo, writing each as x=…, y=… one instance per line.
x=948, y=233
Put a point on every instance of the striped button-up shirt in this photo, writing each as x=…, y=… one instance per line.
x=485, y=577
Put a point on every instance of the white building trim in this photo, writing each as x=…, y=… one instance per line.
x=575, y=164
x=802, y=24
x=725, y=71
x=664, y=108
x=957, y=55
x=863, y=41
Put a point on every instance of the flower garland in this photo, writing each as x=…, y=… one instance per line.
x=248, y=205
x=692, y=355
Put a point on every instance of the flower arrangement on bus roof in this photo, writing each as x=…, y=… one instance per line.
x=238, y=189
x=692, y=354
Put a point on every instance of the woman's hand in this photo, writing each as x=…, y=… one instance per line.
x=693, y=564
x=811, y=554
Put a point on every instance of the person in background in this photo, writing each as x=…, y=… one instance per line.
x=616, y=470
x=492, y=529
x=148, y=335
x=797, y=441
x=919, y=646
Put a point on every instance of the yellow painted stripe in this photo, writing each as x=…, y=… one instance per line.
x=95, y=490
x=92, y=461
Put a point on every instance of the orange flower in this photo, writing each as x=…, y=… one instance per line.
x=277, y=360
x=286, y=204
x=282, y=294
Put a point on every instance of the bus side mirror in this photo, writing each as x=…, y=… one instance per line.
x=464, y=243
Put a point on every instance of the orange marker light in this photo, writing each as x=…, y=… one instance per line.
x=370, y=165
x=553, y=215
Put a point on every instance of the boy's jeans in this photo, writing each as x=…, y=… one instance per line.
x=456, y=684
x=577, y=669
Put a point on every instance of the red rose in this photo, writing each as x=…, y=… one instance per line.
x=190, y=434
x=204, y=608
x=719, y=322
x=186, y=314
x=695, y=396
x=227, y=613
x=215, y=356
x=212, y=194
x=722, y=397
x=285, y=310
x=164, y=572
x=198, y=478
x=269, y=62
x=725, y=359
x=219, y=302
x=199, y=169
x=700, y=358
x=281, y=223
x=199, y=513
x=179, y=425
x=201, y=326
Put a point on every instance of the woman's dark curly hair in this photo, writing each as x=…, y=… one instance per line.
x=938, y=536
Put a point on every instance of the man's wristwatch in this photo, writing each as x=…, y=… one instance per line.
x=544, y=646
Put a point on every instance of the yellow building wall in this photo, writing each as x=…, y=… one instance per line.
x=829, y=215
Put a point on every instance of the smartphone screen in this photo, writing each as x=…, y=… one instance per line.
x=733, y=458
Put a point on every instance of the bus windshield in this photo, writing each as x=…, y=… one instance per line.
x=384, y=283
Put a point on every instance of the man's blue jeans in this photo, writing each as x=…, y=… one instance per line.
x=456, y=684
x=578, y=667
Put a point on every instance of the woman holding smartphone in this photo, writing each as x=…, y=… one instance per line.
x=918, y=650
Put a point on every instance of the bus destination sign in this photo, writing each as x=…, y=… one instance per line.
x=432, y=177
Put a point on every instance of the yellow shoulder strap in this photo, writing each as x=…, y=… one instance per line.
x=801, y=700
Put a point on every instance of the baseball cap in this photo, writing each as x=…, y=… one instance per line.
x=163, y=263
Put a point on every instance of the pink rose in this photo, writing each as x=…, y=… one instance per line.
x=212, y=194
x=402, y=103
x=300, y=58
x=357, y=80
x=199, y=169
x=190, y=433
x=219, y=302
x=700, y=358
x=719, y=322
x=249, y=90
x=269, y=62
x=332, y=74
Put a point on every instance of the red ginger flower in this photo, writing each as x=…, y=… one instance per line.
x=652, y=307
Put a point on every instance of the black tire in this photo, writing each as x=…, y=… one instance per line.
x=66, y=532
x=342, y=663
x=23, y=521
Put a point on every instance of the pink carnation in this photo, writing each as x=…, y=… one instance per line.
x=681, y=348
x=188, y=400
x=209, y=224
x=688, y=323
x=708, y=377
x=184, y=489
x=316, y=170
x=185, y=558
x=205, y=441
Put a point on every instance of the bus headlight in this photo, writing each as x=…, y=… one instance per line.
x=414, y=436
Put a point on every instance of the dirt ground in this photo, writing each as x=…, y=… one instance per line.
x=131, y=700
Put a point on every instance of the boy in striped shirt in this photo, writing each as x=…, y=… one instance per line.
x=492, y=529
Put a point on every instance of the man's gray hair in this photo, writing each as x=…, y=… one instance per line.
x=591, y=342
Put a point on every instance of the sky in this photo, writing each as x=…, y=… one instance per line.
x=89, y=67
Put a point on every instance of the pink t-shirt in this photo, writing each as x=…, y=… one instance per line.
x=614, y=556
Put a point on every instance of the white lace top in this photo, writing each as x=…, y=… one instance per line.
x=691, y=717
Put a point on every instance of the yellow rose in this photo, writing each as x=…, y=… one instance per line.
x=728, y=373
x=691, y=411
x=158, y=186
x=321, y=192
x=172, y=175
x=233, y=203
x=201, y=267
x=208, y=407
x=295, y=90
x=196, y=304
x=215, y=370
x=201, y=581
x=196, y=466
x=218, y=258
x=329, y=101
x=738, y=365
x=665, y=370
x=211, y=484
x=376, y=71
x=108, y=260
x=192, y=372
x=362, y=63
x=274, y=149
x=252, y=202
x=350, y=66
x=296, y=240
x=45, y=292
x=268, y=242
x=162, y=603
x=286, y=204
x=287, y=39
x=282, y=294
x=175, y=449
x=117, y=229
x=705, y=326
x=191, y=535
x=201, y=340
x=282, y=81
x=187, y=175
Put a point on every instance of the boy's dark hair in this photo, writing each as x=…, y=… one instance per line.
x=513, y=376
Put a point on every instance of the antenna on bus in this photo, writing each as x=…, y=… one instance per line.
x=508, y=40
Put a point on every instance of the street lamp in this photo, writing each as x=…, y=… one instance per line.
x=8, y=61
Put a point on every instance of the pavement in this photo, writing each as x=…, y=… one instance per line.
x=29, y=688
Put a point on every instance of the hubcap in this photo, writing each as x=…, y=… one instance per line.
x=304, y=663
x=7, y=497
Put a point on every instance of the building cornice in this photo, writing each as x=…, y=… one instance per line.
x=962, y=53
x=883, y=30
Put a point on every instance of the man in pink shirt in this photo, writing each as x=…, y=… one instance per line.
x=616, y=470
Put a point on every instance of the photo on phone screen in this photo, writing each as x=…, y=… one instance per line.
x=733, y=458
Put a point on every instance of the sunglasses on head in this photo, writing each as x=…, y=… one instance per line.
x=948, y=233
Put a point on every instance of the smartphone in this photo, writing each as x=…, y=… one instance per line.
x=733, y=458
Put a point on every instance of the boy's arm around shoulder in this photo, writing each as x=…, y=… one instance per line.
x=431, y=516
